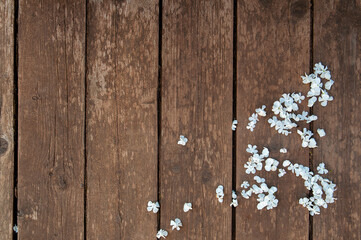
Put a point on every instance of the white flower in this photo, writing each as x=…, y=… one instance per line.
x=187, y=207
x=297, y=97
x=182, y=140
x=162, y=233
x=234, y=125
x=283, y=150
x=286, y=163
x=265, y=152
x=15, y=228
x=176, y=224
x=250, y=168
x=281, y=173
x=153, y=206
x=261, y=111
x=311, y=101
x=321, y=169
x=234, y=203
x=321, y=132
x=312, y=143
x=271, y=164
x=329, y=84
x=245, y=184
x=234, y=199
x=252, y=149
x=220, y=193
x=259, y=179
x=324, y=98
x=251, y=126
x=322, y=70
x=308, y=79
x=247, y=194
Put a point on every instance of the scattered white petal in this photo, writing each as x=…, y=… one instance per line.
x=187, y=207
x=182, y=140
x=162, y=233
x=281, y=173
x=176, y=224
x=245, y=184
x=321, y=132
x=153, y=206
x=283, y=150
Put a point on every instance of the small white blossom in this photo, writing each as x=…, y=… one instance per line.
x=220, y=193
x=187, y=207
x=297, y=97
x=252, y=149
x=245, y=184
x=15, y=228
x=321, y=132
x=153, y=206
x=234, y=125
x=324, y=98
x=271, y=164
x=329, y=84
x=286, y=163
x=162, y=233
x=176, y=224
x=234, y=199
x=283, y=150
x=259, y=179
x=261, y=111
x=182, y=140
x=281, y=173
x=311, y=101
x=321, y=169
x=247, y=194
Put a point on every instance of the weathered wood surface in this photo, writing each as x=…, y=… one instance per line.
x=272, y=52
x=51, y=119
x=6, y=117
x=337, y=38
x=196, y=102
x=95, y=81
x=122, y=125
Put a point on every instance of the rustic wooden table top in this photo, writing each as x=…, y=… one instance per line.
x=94, y=96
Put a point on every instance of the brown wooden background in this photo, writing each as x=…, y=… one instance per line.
x=94, y=95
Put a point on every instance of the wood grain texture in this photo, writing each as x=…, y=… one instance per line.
x=337, y=38
x=197, y=103
x=122, y=119
x=272, y=54
x=6, y=117
x=51, y=119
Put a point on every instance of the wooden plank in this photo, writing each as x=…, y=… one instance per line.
x=196, y=102
x=122, y=119
x=337, y=38
x=51, y=119
x=6, y=117
x=272, y=54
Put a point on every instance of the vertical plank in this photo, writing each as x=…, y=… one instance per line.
x=51, y=119
x=196, y=102
x=122, y=119
x=337, y=38
x=272, y=53
x=6, y=117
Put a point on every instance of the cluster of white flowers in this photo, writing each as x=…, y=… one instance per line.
x=253, y=119
x=269, y=200
x=182, y=140
x=316, y=201
x=234, y=125
x=220, y=193
x=316, y=91
x=255, y=161
x=234, y=202
x=306, y=137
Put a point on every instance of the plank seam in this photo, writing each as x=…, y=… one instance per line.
x=16, y=111
x=311, y=127
x=159, y=105
x=85, y=119
x=234, y=113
